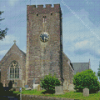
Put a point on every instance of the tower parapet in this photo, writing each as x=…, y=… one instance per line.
x=32, y=9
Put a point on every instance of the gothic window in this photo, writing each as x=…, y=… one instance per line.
x=14, y=69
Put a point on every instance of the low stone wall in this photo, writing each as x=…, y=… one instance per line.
x=34, y=97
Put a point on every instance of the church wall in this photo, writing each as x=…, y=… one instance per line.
x=67, y=70
x=71, y=71
x=23, y=70
x=13, y=54
x=40, y=60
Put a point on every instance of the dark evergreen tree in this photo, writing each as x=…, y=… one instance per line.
x=2, y=32
x=98, y=74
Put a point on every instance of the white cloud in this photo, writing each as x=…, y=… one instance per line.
x=3, y=52
x=8, y=40
x=80, y=36
x=89, y=2
x=12, y=2
x=6, y=44
x=85, y=44
x=24, y=49
x=98, y=51
x=82, y=44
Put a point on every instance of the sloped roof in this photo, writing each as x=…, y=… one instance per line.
x=78, y=67
x=65, y=56
x=23, y=52
x=68, y=59
x=13, y=48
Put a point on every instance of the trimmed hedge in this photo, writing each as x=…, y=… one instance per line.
x=49, y=82
x=86, y=79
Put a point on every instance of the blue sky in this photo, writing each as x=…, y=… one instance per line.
x=81, y=27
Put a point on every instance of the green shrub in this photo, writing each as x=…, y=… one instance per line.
x=86, y=79
x=99, y=85
x=49, y=82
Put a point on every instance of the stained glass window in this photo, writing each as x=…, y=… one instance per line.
x=14, y=70
x=11, y=72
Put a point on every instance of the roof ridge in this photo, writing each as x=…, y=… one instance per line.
x=80, y=62
x=22, y=51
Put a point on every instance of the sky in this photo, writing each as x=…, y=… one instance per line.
x=80, y=24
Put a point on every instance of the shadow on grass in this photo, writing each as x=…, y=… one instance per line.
x=48, y=92
x=4, y=92
x=90, y=92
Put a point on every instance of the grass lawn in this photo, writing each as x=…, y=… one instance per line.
x=72, y=95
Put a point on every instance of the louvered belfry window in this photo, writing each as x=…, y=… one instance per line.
x=14, y=70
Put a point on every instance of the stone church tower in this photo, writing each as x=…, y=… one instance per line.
x=44, y=42
x=44, y=53
x=44, y=45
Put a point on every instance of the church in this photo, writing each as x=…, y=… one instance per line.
x=44, y=53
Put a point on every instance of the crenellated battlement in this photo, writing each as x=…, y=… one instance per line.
x=40, y=6
x=47, y=6
x=41, y=9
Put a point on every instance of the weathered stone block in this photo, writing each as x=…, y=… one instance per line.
x=71, y=87
x=65, y=85
x=37, y=87
x=59, y=90
x=85, y=92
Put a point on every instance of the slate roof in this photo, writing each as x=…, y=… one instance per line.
x=78, y=67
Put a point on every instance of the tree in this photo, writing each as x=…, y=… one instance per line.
x=49, y=82
x=98, y=74
x=1, y=89
x=86, y=79
x=2, y=32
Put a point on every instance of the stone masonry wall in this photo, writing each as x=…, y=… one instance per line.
x=67, y=70
x=13, y=54
x=71, y=72
x=34, y=97
x=43, y=58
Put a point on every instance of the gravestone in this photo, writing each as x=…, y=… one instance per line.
x=59, y=90
x=85, y=92
x=26, y=86
x=71, y=87
x=35, y=86
x=38, y=88
x=65, y=85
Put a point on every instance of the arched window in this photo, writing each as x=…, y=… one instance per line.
x=14, y=69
